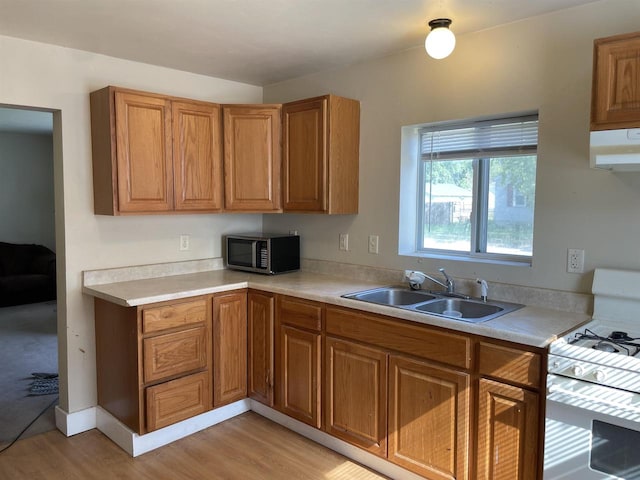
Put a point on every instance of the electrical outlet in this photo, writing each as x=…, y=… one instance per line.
x=373, y=244
x=575, y=260
x=293, y=232
x=344, y=242
x=184, y=243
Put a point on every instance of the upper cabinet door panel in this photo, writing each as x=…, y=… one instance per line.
x=197, y=156
x=252, y=157
x=616, y=82
x=143, y=139
x=321, y=155
x=304, y=161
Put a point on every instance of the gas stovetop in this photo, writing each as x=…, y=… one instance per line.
x=610, y=341
x=599, y=352
x=606, y=350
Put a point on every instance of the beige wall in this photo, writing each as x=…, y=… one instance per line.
x=541, y=64
x=59, y=79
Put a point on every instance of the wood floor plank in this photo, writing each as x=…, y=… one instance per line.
x=245, y=447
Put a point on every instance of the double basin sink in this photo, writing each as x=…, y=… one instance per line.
x=467, y=310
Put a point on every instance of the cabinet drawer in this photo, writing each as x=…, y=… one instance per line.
x=510, y=364
x=177, y=400
x=416, y=340
x=300, y=313
x=175, y=353
x=172, y=316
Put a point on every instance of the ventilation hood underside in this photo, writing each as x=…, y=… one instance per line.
x=617, y=150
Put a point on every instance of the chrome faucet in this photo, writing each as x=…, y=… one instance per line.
x=450, y=284
x=417, y=278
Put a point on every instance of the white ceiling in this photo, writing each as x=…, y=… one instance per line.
x=259, y=42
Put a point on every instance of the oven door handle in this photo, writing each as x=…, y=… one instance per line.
x=554, y=388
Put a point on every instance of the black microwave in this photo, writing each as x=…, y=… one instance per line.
x=268, y=253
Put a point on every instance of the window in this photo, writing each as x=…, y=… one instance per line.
x=476, y=188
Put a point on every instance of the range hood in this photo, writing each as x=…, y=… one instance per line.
x=617, y=150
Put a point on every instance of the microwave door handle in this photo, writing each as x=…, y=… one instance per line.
x=253, y=253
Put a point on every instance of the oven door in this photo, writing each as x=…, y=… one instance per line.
x=591, y=432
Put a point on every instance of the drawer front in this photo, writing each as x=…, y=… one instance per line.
x=300, y=313
x=177, y=400
x=175, y=353
x=510, y=364
x=415, y=340
x=172, y=316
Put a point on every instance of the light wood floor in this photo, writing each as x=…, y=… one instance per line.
x=246, y=447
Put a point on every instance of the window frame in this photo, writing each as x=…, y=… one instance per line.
x=479, y=218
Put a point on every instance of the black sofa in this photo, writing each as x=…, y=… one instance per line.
x=27, y=274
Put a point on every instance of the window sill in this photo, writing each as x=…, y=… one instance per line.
x=510, y=261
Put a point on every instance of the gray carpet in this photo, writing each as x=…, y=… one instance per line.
x=28, y=344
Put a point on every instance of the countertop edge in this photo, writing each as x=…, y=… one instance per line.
x=513, y=327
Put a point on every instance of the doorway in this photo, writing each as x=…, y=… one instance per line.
x=28, y=306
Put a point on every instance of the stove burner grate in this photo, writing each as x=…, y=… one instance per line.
x=616, y=342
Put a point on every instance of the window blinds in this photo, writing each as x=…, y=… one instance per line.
x=480, y=139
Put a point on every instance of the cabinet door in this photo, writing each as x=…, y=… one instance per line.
x=197, y=156
x=252, y=158
x=305, y=156
x=143, y=138
x=260, y=312
x=429, y=419
x=616, y=82
x=507, y=432
x=298, y=375
x=229, y=348
x=177, y=400
x=355, y=401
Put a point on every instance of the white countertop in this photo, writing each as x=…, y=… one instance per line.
x=532, y=326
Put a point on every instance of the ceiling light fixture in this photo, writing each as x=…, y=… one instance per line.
x=441, y=41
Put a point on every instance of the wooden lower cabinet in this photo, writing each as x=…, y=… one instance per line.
x=229, y=347
x=355, y=394
x=154, y=361
x=508, y=443
x=429, y=419
x=298, y=374
x=260, y=317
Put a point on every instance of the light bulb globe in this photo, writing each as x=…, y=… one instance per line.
x=440, y=43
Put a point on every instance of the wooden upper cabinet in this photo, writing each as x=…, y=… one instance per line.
x=143, y=146
x=154, y=154
x=197, y=156
x=616, y=82
x=321, y=141
x=252, y=158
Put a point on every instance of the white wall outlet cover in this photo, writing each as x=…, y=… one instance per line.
x=344, y=242
x=184, y=242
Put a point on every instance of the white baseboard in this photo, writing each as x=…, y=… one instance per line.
x=76, y=422
x=354, y=453
x=135, y=444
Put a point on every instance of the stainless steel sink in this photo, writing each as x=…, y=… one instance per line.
x=456, y=308
x=392, y=296
x=467, y=310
